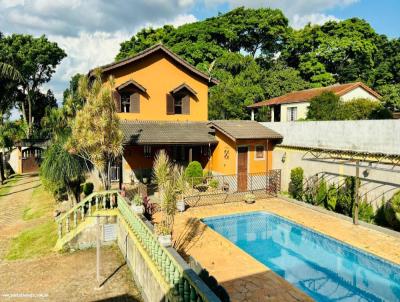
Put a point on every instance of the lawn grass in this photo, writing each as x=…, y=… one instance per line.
x=40, y=239
x=37, y=241
x=8, y=184
x=41, y=204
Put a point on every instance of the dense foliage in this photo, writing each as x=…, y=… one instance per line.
x=328, y=107
x=296, y=183
x=257, y=56
x=194, y=173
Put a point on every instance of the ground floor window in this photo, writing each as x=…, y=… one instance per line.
x=147, y=151
x=259, y=152
x=292, y=114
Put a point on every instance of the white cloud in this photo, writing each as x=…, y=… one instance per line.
x=299, y=21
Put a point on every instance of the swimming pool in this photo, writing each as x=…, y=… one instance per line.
x=324, y=268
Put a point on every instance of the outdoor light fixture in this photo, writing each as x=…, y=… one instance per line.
x=284, y=157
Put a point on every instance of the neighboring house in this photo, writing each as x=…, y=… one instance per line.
x=163, y=104
x=294, y=105
x=27, y=156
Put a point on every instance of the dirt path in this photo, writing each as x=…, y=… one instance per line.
x=12, y=205
x=68, y=277
x=55, y=277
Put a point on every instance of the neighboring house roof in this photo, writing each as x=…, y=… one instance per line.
x=150, y=51
x=182, y=87
x=133, y=83
x=162, y=132
x=244, y=129
x=308, y=94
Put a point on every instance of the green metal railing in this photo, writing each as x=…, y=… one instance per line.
x=183, y=287
x=184, y=284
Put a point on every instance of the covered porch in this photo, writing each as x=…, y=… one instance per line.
x=183, y=142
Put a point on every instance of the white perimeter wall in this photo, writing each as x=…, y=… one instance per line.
x=373, y=136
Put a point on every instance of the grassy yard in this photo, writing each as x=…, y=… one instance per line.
x=39, y=239
x=8, y=184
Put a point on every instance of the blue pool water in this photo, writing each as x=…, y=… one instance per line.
x=324, y=268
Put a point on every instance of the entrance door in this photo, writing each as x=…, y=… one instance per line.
x=242, y=169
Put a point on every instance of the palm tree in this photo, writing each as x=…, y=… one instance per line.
x=8, y=71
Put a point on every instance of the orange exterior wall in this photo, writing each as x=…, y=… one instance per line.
x=220, y=164
x=159, y=75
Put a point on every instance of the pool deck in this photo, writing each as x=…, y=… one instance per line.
x=245, y=278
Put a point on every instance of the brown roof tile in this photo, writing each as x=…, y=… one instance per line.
x=308, y=94
x=153, y=49
x=244, y=129
x=168, y=133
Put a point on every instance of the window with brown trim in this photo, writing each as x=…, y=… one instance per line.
x=259, y=152
x=125, y=102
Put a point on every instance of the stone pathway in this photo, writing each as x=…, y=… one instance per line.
x=12, y=206
x=245, y=278
x=68, y=277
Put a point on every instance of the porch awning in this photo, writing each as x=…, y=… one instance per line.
x=167, y=133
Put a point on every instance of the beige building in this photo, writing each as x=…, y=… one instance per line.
x=294, y=105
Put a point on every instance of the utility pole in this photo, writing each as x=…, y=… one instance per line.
x=356, y=201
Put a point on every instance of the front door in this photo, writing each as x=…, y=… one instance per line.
x=242, y=169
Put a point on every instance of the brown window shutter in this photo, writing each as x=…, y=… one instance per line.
x=170, y=104
x=186, y=105
x=117, y=100
x=134, y=103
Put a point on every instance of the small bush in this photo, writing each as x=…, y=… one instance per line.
x=88, y=188
x=331, y=198
x=366, y=211
x=380, y=218
x=392, y=211
x=296, y=183
x=322, y=190
x=194, y=173
x=213, y=183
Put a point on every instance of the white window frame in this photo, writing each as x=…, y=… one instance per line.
x=292, y=114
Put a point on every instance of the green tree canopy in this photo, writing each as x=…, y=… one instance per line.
x=36, y=60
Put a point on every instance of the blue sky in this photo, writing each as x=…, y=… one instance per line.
x=90, y=31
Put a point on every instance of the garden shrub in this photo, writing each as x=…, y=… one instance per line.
x=392, y=211
x=366, y=211
x=320, y=197
x=380, y=218
x=331, y=198
x=346, y=193
x=194, y=173
x=296, y=183
x=88, y=188
x=213, y=183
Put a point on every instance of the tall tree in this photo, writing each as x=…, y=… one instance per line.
x=36, y=60
x=96, y=135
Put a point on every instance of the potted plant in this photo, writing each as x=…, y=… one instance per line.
x=137, y=204
x=250, y=198
x=163, y=232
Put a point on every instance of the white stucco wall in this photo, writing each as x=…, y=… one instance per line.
x=302, y=109
x=358, y=93
x=13, y=161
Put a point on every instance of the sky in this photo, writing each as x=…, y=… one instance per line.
x=90, y=31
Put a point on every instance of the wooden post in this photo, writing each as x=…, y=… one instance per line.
x=190, y=154
x=356, y=201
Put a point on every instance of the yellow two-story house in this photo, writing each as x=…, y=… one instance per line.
x=162, y=102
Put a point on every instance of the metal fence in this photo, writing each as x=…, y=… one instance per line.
x=217, y=189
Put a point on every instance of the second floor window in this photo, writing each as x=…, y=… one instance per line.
x=292, y=114
x=125, y=102
x=178, y=105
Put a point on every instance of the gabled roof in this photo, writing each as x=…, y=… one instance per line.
x=244, y=129
x=308, y=94
x=133, y=83
x=151, y=50
x=167, y=133
x=182, y=87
